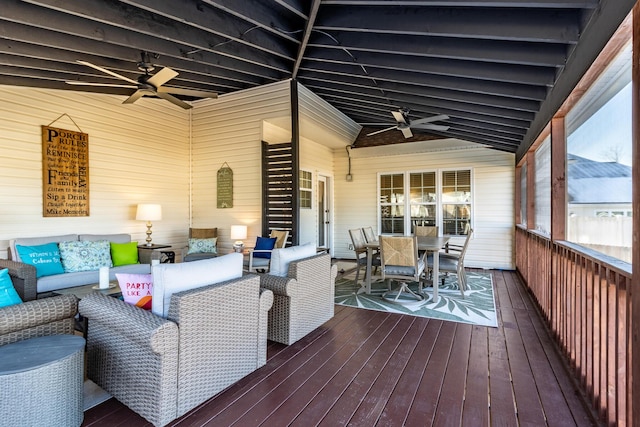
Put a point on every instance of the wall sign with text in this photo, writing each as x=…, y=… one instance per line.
x=225, y=187
x=65, y=172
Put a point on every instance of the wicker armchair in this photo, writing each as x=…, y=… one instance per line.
x=303, y=300
x=23, y=277
x=162, y=368
x=35, y=318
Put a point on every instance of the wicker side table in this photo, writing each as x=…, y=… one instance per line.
x=41, y=381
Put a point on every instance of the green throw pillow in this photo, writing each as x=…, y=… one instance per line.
x=124, y=253
x=202, y=246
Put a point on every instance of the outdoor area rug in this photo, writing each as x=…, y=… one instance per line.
x=477, y=308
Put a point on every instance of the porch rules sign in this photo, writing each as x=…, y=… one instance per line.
x=65, y=172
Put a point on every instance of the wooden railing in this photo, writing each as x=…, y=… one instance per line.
x=584, y=297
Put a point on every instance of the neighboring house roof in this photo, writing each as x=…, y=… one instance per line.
x=594, y=182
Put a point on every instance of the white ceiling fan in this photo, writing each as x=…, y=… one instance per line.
x=147, y=84
x=405, y=125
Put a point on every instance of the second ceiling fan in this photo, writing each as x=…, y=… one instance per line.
x=405, y=125
x=147, y=84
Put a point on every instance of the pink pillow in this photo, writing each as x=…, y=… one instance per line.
x=136, y=289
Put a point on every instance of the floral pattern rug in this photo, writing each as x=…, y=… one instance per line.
x=477, y=307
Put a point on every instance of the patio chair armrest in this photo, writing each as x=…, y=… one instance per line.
x=276, y=284
x=126, y=320
x=32, y=314
x=23, y=277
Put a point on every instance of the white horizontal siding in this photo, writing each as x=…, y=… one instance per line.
x=137, y=154
x=230, y=130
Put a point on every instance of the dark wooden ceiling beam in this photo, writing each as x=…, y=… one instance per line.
x=48, y=28
x=532, y=25
x=499, y=51
x=353, y=111
x=308, y=27
x=393, y=91
x=130, y=22
x=235, y=25
x=546, y=4
x=508, y=73
x=403, y=86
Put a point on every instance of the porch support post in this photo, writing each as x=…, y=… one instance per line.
x=295, y=161
x=531, y=190
x=635, y=257
x=558, y=179
x=518, y=197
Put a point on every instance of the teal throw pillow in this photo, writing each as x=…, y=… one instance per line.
x=124, y=253
x=84, y=255
x=264, y=244
x=203, y=246
x=45, y=258
x=8, y=294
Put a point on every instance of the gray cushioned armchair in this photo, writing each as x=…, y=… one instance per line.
x=303, y=300
x=162, y=368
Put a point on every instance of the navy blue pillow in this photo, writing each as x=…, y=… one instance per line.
x=264, y=244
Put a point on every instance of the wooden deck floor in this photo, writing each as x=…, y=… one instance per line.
x=366, y=368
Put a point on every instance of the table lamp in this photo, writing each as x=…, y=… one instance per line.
x=239, y=233
x=149, y=212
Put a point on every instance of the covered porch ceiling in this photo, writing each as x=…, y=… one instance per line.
x=498, y=70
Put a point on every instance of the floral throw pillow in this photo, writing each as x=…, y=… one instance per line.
x=203, y=246
x=83, y=255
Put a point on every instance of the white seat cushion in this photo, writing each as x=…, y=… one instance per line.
x=171, y=278
x=280, y=258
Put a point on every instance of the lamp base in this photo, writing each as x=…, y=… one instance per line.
x=238, y=246
x=148, y=240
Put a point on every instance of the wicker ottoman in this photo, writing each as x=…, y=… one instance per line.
x=41, y=381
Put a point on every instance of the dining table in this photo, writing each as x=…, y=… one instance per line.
x=430, y=244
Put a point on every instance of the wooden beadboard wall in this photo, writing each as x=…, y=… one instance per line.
x=137, y=154
x=493, y=192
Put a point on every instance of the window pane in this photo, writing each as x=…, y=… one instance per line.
x=456, y=198
x=543, y=186
x=523, y=194
x=599, y=149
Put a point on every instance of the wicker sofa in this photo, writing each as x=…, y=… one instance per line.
x=162, y=367
x=303, y=299
x=35, y=318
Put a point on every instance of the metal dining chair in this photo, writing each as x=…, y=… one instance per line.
x=400, y=262
x=358, y=240
x=452, y=262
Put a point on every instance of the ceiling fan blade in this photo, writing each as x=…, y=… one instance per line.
x=161, y=77
x=399, y=116
x=188, y=92
x=136, y=95
x=174, y=100
x=429, y=119
x=104, y=70
x=406, y=132
x=383, y=130
x=441, y=128
x=99, y=84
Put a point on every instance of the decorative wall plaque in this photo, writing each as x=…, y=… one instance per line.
x=65, y=172
x=225, y=186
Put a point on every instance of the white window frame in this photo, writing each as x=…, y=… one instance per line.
x=306, y=190
x=406, y=204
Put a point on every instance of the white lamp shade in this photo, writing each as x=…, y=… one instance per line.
x=238, y=232
x=149, y=212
